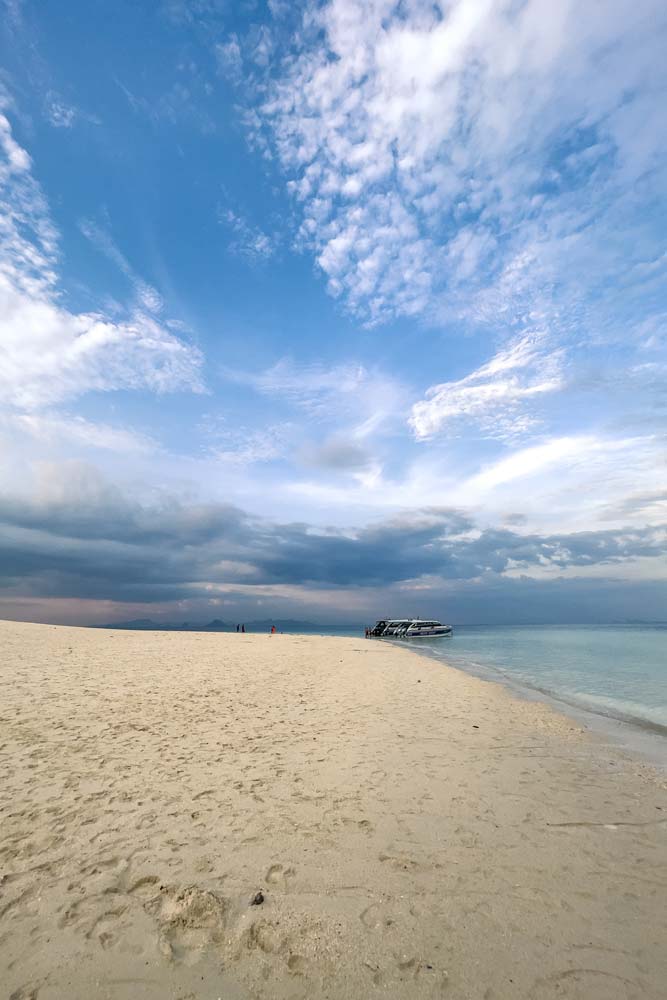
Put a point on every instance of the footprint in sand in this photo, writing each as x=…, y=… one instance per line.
x=266, y=936
x=297, y=965
x=107, y=928
x=29, y=992
x=145, y=887
x=189, y=920
x=279, y=875
x=374, y=918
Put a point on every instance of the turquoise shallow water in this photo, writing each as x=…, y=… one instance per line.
x=617, y=671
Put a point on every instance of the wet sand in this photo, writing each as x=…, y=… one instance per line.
x=415, y=832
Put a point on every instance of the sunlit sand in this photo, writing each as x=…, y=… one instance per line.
x=413, y=832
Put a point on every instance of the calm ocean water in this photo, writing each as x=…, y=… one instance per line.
x=618, y=671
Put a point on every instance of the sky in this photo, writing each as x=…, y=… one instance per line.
x=333, y=310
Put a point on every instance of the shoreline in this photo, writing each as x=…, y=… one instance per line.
x=633, y=734
x=413, y=830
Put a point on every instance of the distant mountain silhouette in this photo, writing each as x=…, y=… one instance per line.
x=149, y=625
x=134, y=623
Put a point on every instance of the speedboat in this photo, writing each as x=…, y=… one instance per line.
x=418, y=629
x=409, y=628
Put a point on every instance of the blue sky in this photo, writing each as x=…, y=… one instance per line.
x=333, y=310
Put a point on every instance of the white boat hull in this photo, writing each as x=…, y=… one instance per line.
x=428, y=634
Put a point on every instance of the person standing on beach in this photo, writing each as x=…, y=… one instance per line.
x=273, y=630
x=238, y=627
x=243, y=628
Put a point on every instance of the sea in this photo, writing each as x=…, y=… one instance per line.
x=612, y=677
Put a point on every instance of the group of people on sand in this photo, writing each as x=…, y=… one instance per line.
x=241, y=628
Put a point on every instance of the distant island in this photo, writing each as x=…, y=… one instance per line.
x=217, y=625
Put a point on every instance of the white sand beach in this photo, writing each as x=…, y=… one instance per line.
x=414, y=832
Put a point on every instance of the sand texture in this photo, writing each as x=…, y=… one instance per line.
x=415, y=832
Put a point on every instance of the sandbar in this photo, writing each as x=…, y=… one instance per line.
x=412, y=831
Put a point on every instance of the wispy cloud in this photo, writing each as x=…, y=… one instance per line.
x=496, y=398
x=55, y=428
x=248, y=241
x=14, y=10
x=350, y=413
x=350, y=393
x=182, y=12
x=310, y=386
x=148, y=297
x=239, y=445
x=50, y=353
x=184, y=101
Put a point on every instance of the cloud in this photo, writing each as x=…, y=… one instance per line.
x=495, y=398
x=338, y=454
x=533, y=460
x=148, y=297
x=17, y=161
x=279, y=8
x=229, y=59
x=183, y=102
x=59, y=114
x=52, y=427
x=14, y=10
x=348, y=391
x=478, y=160
x=51, y=353
x=76, y=535
x=651, y=505
x=555, y=482
x=346, y=406
x=249, y=241
x=182, y=12
x=235, y=444
x=261, y=45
